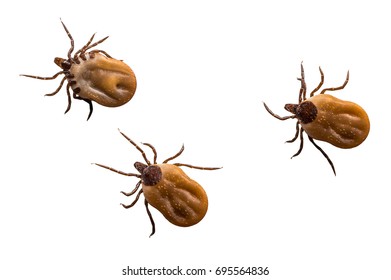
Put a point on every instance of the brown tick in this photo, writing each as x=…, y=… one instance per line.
x=324, y=117
x=181, y=200
x=93, y=76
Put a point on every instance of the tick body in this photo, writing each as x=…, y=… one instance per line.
x=166, y=187
x=181, y=200
x=343, y=124
x=324, y=117
x=93, y=76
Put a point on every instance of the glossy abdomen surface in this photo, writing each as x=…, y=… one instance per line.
x=181, y=200
x=107, y=81
x=343, y=124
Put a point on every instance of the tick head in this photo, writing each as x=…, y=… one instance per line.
x=305, y=112
x=63, y=63
x=150, y=175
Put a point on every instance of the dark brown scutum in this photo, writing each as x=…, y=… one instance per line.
x=151, y=175
x=306, y=112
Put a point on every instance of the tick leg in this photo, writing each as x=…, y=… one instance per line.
x=303, y=88
x=153, y=150
x=91, y=107
x=83, y=49
x=72, y=42
x=320, y=84
x=134, y=190
x=100, y=51
x=150, y=218
x=135, y=200
x=69, y=99
x=176, y=155
x=95, y=44
x=197, y=167
x=301, y=143
x=188, y=165
x=76, y=96
x=58, y=89
x=296, y=134
x=324, y=154
x=337, y=88
x=277, y=116
x=44, y=78
x=137, y=147
x=118, y=171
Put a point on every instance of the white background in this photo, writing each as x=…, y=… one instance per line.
x=203, y=70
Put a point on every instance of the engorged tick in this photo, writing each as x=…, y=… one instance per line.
x=93, y=76
x=324, y=117
x=181, y=200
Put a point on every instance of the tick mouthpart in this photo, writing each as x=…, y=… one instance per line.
x=140, y=167
x=62, y=63
x=291, y=108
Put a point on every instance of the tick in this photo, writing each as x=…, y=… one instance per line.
x=166, y=187
x=324, y=117
x=93, y=76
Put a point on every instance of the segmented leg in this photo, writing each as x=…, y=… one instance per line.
x=153, y=150
x=83, y=49
x=118, y=171
x=337, y=88
x=303, y=88
x=188, y=165
x=320, y=84
x=301, y=143
x=176, y=155
x=72, y=42
x=76, y=95
x=135, y=200
x=277, y=116
x=150, y=218
x=58, y=89
x=95, y=44
x=44, y=78
x=296, y=134
x=134, y=190
x=324, y=154
x=196, y=167
x=137, y=147
x=100, y=51
x=91, y=107
x=69, y=98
